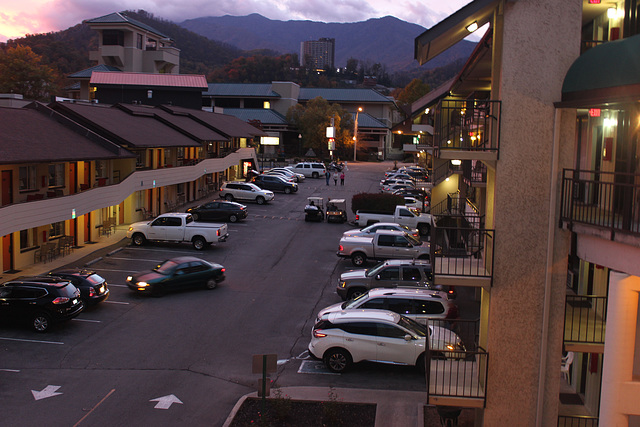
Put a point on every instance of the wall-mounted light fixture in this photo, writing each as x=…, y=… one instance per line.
x=612, y=13
x=456, y=162
x=149, y=94
x=472, y=27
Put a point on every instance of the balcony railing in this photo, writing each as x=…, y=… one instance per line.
x=458, y=375
x=462, y=251
x=577, y=421
x=585, y=319
x=604, y=199
x=474, y=172
x=467, y=125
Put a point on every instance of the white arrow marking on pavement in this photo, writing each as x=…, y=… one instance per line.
x=48, y=391
x=165, y=402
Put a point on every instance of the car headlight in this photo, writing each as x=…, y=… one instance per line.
x=343, y=284
x=142, y=284
x=129, y=278
x=130, y=228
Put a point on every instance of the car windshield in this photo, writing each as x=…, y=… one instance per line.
x=166, y=267
x=375, y=270
x=413, y=326
x=355, y=301
x=95, y=279
x=413, y=239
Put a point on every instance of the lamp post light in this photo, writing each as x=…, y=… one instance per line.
x=355, y=135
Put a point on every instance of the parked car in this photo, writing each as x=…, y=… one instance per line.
x=93, y=287
x=40, y=300
x=231, y=191
x=177, y=274
x=395, y=187
x=401, y=176
x=391, y=273
x=309, y=169
x=393, y=181
x=418, y=304
x=401, y=215
x=218, y=211
x=274, y=183
x=288, y=178
x=177, y=227
x=385, y=244
x=413, y=202
x=370, y=230
x=351, y=336
x=298, y=176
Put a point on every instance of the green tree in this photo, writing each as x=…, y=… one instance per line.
x=23, y=72
x=312, y=121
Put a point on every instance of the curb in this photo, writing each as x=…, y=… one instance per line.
x=235, y=410
x=93, y=261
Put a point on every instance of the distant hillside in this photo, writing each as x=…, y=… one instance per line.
x=387, y=40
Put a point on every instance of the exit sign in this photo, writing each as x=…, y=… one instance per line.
x=594, y=1
x=594, y=112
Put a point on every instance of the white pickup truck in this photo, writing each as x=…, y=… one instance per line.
x=177, y=227
x=403, y=215
x=385, y=244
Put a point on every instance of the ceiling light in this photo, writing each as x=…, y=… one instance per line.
x=612, y=13
x=472, y=27
x=456, y=162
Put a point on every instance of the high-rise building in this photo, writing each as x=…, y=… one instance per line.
x=320, y=53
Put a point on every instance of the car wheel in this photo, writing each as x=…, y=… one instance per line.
x=420, y=364
x=287, y=190
x=229, y=197
x=233, y=218
x=260, y=200
x=138, y=239
x=358, y=259
x=337, y=359
x=424, y=229
x=199, y=243
x=41, y=322
x=315, y=175
x=212, y=284
x=354, y=293
x=425, y=257
x=195, y=216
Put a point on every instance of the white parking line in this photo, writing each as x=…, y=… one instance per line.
x=111, y=285
x=136, y=259
x=10, y=370
x=36, y=341
x=87, y=320
x=111, y=269
x=117, y=302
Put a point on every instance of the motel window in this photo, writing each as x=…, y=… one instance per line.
x=56, y=175
x=139, y=41
x=57, y=229
x=27, y=178
x=27, y=238
x=101, y=168
x=112, y=38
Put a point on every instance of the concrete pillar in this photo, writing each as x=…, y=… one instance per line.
x=620, y=395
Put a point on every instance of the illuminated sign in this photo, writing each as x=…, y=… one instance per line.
x=594, y=1
x=594, y=112
x=331, y=132
x=269, y=140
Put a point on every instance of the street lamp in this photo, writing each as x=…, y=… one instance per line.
x=355, y=135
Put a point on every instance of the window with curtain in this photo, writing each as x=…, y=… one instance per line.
x=27, y=178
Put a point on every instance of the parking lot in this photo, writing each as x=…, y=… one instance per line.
x=185, y=358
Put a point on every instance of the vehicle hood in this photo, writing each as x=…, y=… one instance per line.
x=353, y=274
x=351, y=233
x=330, y=309
x=147, y=276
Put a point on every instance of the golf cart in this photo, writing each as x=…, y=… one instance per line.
x=336, y=210
x=313, y=210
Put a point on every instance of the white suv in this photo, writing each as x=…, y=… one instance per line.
x=420, y=305
x=351, y=336
x=245, y=191
x=309, y=169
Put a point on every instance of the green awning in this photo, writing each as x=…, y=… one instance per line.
x=607, y=73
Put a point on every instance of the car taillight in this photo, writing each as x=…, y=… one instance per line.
x=340, y=248
x=60, y=300
x=218, y=232
x=319, y=334
x=357, y=217
x=223, y=270
x=92, y=292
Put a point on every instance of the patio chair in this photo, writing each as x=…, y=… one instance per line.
x=566, y=364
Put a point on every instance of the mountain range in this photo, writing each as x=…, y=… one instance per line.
x=388, y=41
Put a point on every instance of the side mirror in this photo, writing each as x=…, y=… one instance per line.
x=378, y=277
x=408, y=337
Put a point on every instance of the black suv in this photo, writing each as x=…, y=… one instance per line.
x=40, y=300
x=275, y=183
x=93, y=287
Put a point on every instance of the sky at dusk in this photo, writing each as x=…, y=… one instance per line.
x=20, y=17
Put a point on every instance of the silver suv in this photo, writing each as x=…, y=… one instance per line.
x=388, y=274
x=309, y=169
x=245, y=191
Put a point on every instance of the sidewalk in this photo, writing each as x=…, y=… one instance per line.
x=393, y=408
x=76, y=255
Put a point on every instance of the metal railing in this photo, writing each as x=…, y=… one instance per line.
x=585, y=319
x=609, y=200
x=462, y=251
x=467, y=124
x=577, y=421
x=456, y=376
x=467, y=329
x=474, y=172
